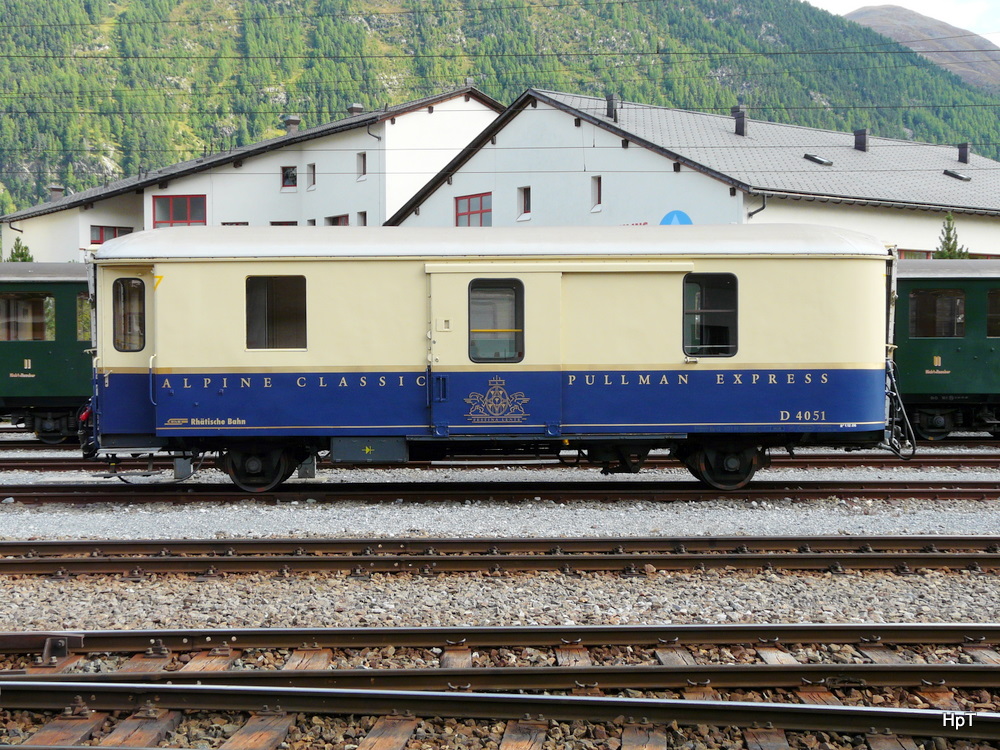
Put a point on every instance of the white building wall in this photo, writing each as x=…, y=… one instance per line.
x=545, y=149
x=121, y=211
x=64, y=236
x=250, y=193
x=253, y=192
x=52, y=238
x=909, y=230
x=419, y=144
x=400, y=157
x=341, y=189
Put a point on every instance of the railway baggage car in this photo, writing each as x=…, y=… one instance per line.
x=948, y=333
x=380, y=345
x=44, y=335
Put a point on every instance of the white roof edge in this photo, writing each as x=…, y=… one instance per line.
x=942, y=268
x=352, y=242
x=49, y=272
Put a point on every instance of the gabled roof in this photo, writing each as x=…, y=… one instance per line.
x=193, y=166
x=770, y=159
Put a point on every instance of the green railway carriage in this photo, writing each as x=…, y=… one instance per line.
x=44, y=335
x=948, y=338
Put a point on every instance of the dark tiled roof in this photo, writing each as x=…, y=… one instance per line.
x=770, y=158
x=181, y=169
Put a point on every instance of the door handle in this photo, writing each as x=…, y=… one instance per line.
x=152, y=379
x=440, y=388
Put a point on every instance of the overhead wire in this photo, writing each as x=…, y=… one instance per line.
x=693, y=56
x=674, y=58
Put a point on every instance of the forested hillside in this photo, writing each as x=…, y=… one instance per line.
x=91, y=90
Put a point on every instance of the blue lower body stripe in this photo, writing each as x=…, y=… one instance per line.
x=493, y=402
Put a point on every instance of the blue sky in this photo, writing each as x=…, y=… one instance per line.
x=980, y=16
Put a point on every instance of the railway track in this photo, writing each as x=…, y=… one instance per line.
x=597, y=489
x=626, y=556
x=763, y=679
x=926, y=460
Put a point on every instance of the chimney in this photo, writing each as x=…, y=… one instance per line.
x=964, y=149
x=740, y=115
x=613, y=104
x=355, y=109
x=292, y=124
x=56, y=192
x=861, y=139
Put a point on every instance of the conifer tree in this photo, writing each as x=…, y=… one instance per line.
x=20, y=252
x=949, y=247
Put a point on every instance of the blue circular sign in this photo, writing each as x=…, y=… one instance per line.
x=675, y=217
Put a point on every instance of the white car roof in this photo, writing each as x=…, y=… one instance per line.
x=347, y=242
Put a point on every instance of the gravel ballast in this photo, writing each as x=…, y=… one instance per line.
x=317, y=600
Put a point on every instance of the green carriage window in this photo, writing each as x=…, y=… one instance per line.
x=937, y=313
x=83, y=317
x=129, y=312
x=496, y=320
x=27, y=316
x=993, y=313
x=710, y=315
x=276, y=312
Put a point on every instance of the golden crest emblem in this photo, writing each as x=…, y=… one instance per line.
x=497, y=406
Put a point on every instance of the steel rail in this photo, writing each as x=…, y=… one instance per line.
x=130, y=696
x=479, y=637
x=611, y=677
x=598, y=489
x=434, y=547
x=363, y=565
x=800, y=461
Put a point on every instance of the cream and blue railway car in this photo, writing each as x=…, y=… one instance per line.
x=268, y=345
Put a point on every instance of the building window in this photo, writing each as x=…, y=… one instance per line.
x=310, y=175
x=289, y=177
x=993, y=313
x=474, y=210
x=100, y=235
x=362, y=164
x=178, y=210
x=235, y=224
x=129, y=313
x=362, y=218
x=83, y=317
x=276, y=312
x=284, y=223
x=596, y=192
x=337, y=221
x=937, y=313
x=524, y=202
x=27, y=316
x=496, y=320
x=710, y=315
